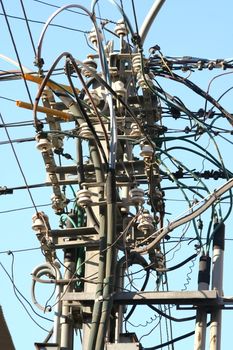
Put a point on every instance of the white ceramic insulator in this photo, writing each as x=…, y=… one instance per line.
x=58, y=202
x=144, y=81
x=84, y=197
x=92, y=37
x=43, y=144
x=92, y=64
x=147, y=151
x=135, y=131
x=85, y=131
x=145, y=222
x=95, y=98
x=137, y=196
x=121, y=28
x=119, y=88
x=136, y=63
x=39, y=222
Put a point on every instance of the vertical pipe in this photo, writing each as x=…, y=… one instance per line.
x=217, y=284
x=203, y=284
x=67, y=329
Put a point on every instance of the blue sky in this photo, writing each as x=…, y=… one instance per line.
x=182, y=28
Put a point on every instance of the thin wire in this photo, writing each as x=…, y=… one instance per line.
x=16, y=52
x=77, y=12
x=19, y=165
x=7, y=99
x=135, y=16
x=51, y=24
x=16, y=289
x=28, y=27
x=19, y=250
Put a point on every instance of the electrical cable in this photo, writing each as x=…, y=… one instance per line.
x=19, y=165
x=52, y=24
x=28, y=27
x=174, y=340
x=209, y=200
x=16, y=51
x=16, y=290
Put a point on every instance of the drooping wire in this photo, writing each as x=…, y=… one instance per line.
x=16, y=290
x=51, y=24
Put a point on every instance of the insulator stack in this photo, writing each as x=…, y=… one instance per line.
x=40, y=223
x=137, y=196
x=58, y=203
x=136, y=63
x=121, y=29
x=91, y=64
x=84, y=198
x=147, y=151
x=85, y=132
x=43, y=143
x=145, y=222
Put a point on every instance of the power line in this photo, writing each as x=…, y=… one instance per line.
x=51, y=24
x=28, y=27
x=19, y=165
x=16, y=51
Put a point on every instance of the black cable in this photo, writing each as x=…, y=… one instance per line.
x=135, y=17
x=16, y=140
x=20, y=250
x=174, y=340
x=51, y=24
x=19, y=165
x=28, y=27
x=16, y=51
x=77, y=12
x=7, y=99
x=161, y=313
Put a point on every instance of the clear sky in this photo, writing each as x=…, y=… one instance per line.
x=183, y=28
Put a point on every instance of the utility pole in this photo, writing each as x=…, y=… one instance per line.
x=116, y=184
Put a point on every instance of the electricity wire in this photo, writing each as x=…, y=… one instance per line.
x=16, y=52
x=28, y=27
x=19, y=165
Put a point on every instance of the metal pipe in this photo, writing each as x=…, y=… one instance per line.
x=67, y=328
x=203, y=284
x=217, y=284
x=149, y=19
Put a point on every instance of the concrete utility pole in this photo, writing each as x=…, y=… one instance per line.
x=117, y=219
